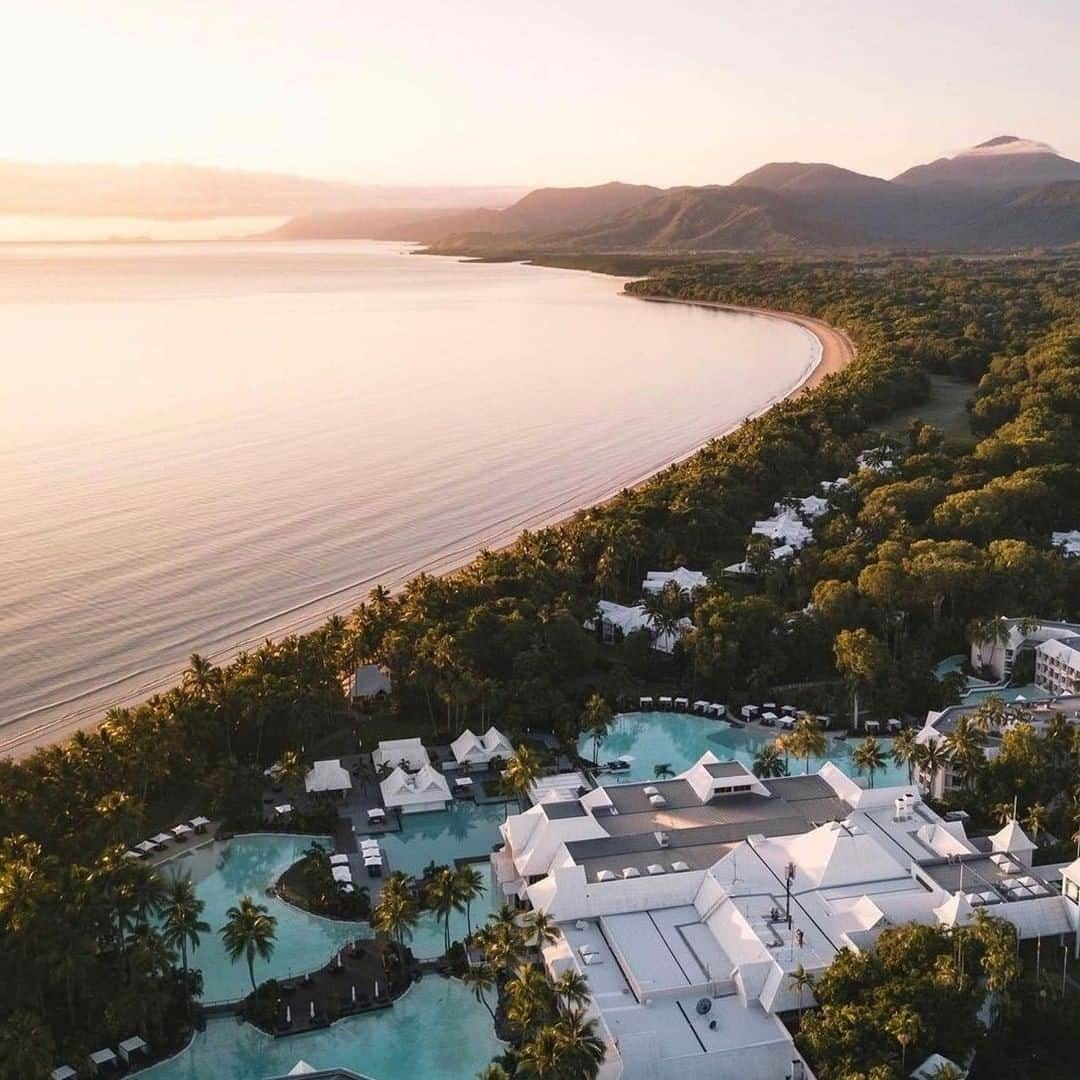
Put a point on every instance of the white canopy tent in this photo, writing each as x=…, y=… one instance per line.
x=470, y=749
x=394, y=752
x=131, y=1046
x=413, y=793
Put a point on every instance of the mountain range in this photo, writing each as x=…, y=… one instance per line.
x=1004, y=194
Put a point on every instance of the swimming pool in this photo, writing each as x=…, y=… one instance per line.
x=679, y=739
x=225, y=871
x=437, y=1031
x=464, y=830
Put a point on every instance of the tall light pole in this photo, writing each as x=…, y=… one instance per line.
x=789, y=877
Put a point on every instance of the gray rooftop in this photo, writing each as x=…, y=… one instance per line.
x=556, y=811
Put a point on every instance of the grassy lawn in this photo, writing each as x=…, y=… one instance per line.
x=946, y=408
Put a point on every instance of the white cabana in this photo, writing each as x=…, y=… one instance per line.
x=686, y=580
x=180, y=831
x=160, y=839
x=199, y=823
x=63, y=1072
x=369, y=682
x=145, y=846
x=131, y=1046
x=329, y=775
x=413, y=793
x=615, y=620
x=470, y=749
x=341, y=873
x=100, y=1058
x=394, y=752
x=283, y=809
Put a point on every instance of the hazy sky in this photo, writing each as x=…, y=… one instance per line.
x=559, y=92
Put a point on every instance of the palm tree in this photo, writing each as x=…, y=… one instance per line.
x=869, y=757
x=470, y=887
x=905, y=751
x=249, y=932
x=1002, y=812
x=801, y=981
x=494, y=1071
x=541, y=930
x=479, y=979
x=769, y=762
x=1035, y=820
x=443, y=897
x=146, y=891
x=964, y=745
x=905, y=1027
x=522, y=771
x=290, y=771
x=528, y=997
x=596, y=721
x=397, y=911
x=541, y=1058
x=990, y=715
x=663, y=771
x=807, y=740
x=665, y=610
x=26, y=1045
x=572, y=990
x=182, y=924
x=581, y=1048
x=931, y=759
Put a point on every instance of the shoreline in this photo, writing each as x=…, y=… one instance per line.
x=836, y=352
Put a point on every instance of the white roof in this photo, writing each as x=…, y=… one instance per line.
x=63, y=1072
x=1010, y=837
x=933, y=1065
x=369, y=680
x=956, y=911
x=480, y=749
x=410, y=789
x=1056, y=649
x=102, y=1057
x=129, y=1046
x=631, y=619
x=1067, y=542
x=341, y=873
x=328, y=775
x=687, y=580
x=302, y=1068
x=832, y=855
x=394, y=751
x=199, y=822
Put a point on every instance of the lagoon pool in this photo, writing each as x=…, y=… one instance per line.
x=437, y=1031
x=223, y=872
x=465, y=830
x=679, y=739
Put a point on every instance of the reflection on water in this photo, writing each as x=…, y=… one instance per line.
x=202, y=445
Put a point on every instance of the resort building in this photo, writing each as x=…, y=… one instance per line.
x=415, y=793
x=1068, y=543
x=370, y=682
x=938, y=725
x=327, y=776
x=410, y=754
x=688, y=904
x=613, y=622
x=1057, y=665
x=471, y=750
x=998, y=658
x=687, y=581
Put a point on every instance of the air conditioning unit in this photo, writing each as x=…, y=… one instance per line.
x=662, y=839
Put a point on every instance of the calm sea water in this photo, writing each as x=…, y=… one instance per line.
x=203, y=445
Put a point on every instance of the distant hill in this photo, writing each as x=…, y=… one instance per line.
x=1002, y=162
x=799, y=206
x=179, y=192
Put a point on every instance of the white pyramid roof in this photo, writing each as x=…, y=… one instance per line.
x=1010, y=837
x=956, y=911
x=830, y=855
x=328, y=775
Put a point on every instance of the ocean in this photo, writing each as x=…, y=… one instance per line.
x=206, y=444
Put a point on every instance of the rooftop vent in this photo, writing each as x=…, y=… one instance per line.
x=631, y=871
x=650, y=790
x=678, y=865
x=655, y=868
x=657, y=800
x=662, y=839
x=604, y=875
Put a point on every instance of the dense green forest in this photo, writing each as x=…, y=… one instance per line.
x=958, y=530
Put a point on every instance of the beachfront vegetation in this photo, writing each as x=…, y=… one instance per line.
x=955, y=531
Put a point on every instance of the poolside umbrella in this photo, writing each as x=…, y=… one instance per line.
x=180, y=831
x=288, y=1014
x=145, y=846
x=311, y=1009
x=628, y=758
x=133, y=854
x=161, y=838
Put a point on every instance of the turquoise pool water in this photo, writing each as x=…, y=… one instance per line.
x=437, y=1031
x=679, y=739
x=466, y=829
x=247, y=866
